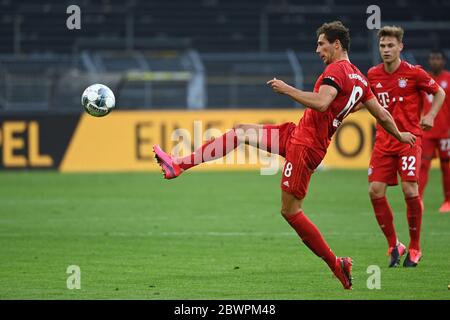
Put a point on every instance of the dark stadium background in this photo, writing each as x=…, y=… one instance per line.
x=235, y=45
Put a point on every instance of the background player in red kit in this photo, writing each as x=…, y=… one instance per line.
x=337, y=91
x=437, y=140
x=398, y=86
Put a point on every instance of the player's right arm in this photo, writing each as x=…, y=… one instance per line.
x=386, y=120
x=314, y=100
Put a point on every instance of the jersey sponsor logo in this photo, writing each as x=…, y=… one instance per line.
x=378, y=86
x=411, y=174
x=402, y=82
x=431, y=82
x=286, y=183
x=383, y=97
x=444, y=84
x=370, y=171
x=358, y=77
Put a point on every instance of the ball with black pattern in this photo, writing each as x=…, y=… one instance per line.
x=98, y=100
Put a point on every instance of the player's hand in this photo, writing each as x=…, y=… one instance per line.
x=426, y=123
x=278, y=86
x=408, y=138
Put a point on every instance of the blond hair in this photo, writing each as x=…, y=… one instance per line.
x=391, y=31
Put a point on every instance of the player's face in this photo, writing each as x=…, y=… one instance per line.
x=325, y=49
x=436, y=62
x=390, y=49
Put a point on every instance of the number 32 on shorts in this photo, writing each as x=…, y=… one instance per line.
x=408, y=163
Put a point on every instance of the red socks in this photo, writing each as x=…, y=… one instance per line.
x=383, y=213
x=445, y=169
x=423, y=178
x=212, y=150
x=414, y=215
x=312, y=237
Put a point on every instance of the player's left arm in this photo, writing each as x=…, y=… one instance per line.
x=314, y=100
x=426, y=83
x=427, y=120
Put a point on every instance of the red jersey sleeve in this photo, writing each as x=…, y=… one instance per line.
x=370, y=74
x=333, y=76
x=425, y=82
x=368, y=94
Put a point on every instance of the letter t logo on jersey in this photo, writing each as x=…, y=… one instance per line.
x=383, y=97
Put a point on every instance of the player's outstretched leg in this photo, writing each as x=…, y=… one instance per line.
x=169, y=168
x=214, y=149
x=313, y=239
x=385, y=219
x=414, y=215
x=445, y=169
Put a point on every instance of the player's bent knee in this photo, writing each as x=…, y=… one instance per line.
x=290, y=204
x=410, y=190
x=287, y=211
x=410, y=193
x=242, y=128
x=376, y=192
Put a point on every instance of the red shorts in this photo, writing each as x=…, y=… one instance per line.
x=384, y=166
x=275, y=137
x=301, y=161
x=431, y=146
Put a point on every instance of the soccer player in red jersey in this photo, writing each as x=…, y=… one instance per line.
x=398, y=86
x=337, y=91
x=437, y=140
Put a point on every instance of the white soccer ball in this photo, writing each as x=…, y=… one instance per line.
x=98, y=100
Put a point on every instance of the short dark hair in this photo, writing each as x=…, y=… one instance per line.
x=391, y=31
x=438, y=51
x=335, y=31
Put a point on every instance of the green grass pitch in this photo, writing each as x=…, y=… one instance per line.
x=203, y=236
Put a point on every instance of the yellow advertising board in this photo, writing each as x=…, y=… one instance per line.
x=123, y=140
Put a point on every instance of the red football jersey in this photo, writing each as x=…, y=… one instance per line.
x=400, y=93
x=316, y=128
x=441, y=125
